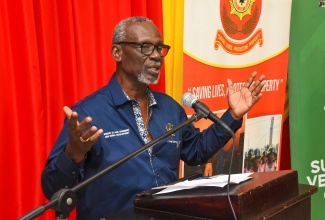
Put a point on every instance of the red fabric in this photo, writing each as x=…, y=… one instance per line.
x=285, y=146
x=52, y=53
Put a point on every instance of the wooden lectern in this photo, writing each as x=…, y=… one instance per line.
x=268, y=195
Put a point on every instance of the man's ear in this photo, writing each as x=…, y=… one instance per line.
x=116, y=52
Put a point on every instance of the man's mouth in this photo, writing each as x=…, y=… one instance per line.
x=154, y=70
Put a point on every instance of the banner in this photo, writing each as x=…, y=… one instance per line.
x=306, y=97
x=232, y=39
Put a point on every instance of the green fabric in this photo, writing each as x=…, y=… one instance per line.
x=307, y=97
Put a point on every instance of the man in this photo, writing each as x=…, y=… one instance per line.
x=123, y=116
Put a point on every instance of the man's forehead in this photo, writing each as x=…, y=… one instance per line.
x=141, y=30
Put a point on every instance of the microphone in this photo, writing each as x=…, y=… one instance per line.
x=190, y=101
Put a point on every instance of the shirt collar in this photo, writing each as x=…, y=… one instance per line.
x=119, y=96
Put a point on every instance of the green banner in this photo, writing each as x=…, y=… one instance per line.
x=306, y=79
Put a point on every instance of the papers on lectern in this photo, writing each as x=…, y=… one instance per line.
x=216, y=181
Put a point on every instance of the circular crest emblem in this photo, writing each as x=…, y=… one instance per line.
x=239, y=18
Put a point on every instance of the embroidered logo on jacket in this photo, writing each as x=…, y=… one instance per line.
x=111, y=134
x=169, y=126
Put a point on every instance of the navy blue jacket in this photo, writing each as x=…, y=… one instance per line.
x=117, y=115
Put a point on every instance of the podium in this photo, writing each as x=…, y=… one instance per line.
x=267, y=195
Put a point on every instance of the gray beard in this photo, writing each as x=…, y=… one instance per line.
x=143, y=79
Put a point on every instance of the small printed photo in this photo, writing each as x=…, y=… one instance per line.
x=261, y=144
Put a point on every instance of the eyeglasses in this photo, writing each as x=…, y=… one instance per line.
x=148, y=48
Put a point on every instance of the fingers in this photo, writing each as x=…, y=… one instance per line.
x=84, y=124
x=78, y=128
x=254, y=87
x=91, y=135
x=257, y=86
x=67, y=111
x=250, y=80
x=72, y=117
x=81, y=139
x=229, y=82
x=230, y=87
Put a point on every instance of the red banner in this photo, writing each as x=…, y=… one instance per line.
x=225, y=39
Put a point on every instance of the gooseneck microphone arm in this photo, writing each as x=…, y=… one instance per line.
x=65, y=200
x=190, y=101
x=210, y=115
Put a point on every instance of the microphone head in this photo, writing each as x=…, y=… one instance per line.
x=188, y=99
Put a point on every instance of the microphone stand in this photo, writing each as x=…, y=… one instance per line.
x=65, y=200
x=204, y=110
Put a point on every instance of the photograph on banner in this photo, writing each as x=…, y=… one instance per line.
x=261, y=144
x=220, y=162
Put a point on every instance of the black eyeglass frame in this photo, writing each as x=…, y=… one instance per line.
x=158, y=47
